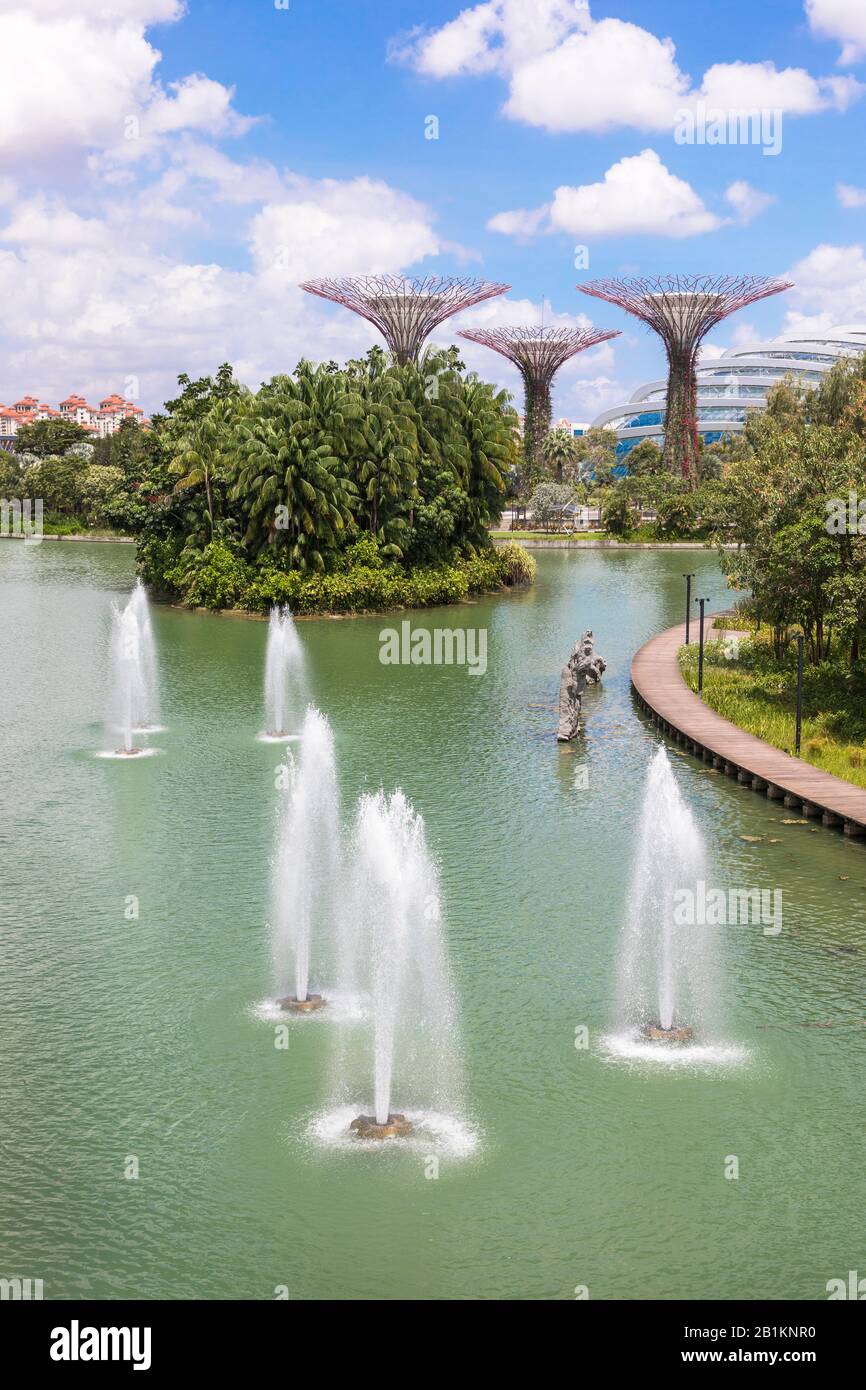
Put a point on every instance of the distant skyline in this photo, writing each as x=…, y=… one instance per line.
x=170, y=172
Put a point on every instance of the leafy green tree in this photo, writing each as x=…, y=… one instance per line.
x=204, y=452
x=547, y=502
x=101, y=491
x=50, y=438
x=596, y=454
x=646, y=460
x=196, y=399
x=675, y=514
x=807, y=456
x=617, y=515
x=56, y=481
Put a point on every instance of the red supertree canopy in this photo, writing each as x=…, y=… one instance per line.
x=538, y=352
x=683, y=308
x=405, y=311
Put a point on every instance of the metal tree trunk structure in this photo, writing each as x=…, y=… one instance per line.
x=538, y=354
x=682, y=309
x=405, y=311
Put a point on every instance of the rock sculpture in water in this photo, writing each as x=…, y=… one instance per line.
x=582, y=668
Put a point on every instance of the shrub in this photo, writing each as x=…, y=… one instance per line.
x=54, y=524
x=675, y=515
x=816, y=745
x=216, y=577
x=364, y=552
x=516, y=565
x=211, y=578
x=618, y=516
x=273, y=588
x=156, y=556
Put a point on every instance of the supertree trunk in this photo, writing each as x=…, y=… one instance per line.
x=538, y=353
x=536, y=428
x=682, y=442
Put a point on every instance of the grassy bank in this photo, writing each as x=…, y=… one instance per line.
x=746, y=684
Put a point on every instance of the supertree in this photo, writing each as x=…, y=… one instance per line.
x=538, y=353
x=682, y=309
x=405, y=311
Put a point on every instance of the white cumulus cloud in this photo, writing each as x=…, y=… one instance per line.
x=568, y=72
x=113, y=279
x=746, y=201
x=829, y=286
x=638, y=195
x=843, y=20
x=850, y=197
x=78, y=79
x=340, y=228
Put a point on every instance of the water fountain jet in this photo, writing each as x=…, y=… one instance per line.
x=666, y=957
x=146, y=711
x=305, y=864
x=401, y=945
x=127, y=694
x=283, y=674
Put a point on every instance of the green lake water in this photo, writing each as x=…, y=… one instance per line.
x=124, y=1040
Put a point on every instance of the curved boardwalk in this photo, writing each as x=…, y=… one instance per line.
x=660, y=688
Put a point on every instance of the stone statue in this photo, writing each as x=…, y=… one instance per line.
x=581, y=669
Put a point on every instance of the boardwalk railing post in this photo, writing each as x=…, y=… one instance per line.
x=701, y=601
x=688, y=578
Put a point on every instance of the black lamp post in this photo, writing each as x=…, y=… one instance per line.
x=688, y=578
x=701, y=601
x=801, y=640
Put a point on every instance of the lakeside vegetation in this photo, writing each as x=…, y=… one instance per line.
x=585, y=471
x=756, y=691
x=795, y=512
x=334, y=489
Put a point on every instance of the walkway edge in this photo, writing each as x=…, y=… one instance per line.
x=659, y=686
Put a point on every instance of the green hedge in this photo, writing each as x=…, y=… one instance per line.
x=217, y=577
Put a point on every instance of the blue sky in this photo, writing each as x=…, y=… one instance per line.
x=168, y=173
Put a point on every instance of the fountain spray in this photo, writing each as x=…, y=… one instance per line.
x=283, y=674
x=665, y=962
x=306, y=864
x=401, y=948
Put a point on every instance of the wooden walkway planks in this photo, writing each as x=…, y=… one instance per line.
x=658, y=684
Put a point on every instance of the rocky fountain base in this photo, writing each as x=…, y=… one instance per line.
x=395, y=1127
x=654, y=1032
x=128, y=752
x=309, y=1005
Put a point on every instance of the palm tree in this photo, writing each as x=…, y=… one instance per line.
x=203, y=452
x=291, y=477
x=488, y=423
x=384, y=450
x=560, y=452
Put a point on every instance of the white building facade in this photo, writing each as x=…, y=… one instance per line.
x=734, y=384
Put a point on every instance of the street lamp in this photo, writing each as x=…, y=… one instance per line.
x=701, y=601
x=801, y=640
x=688, y=578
